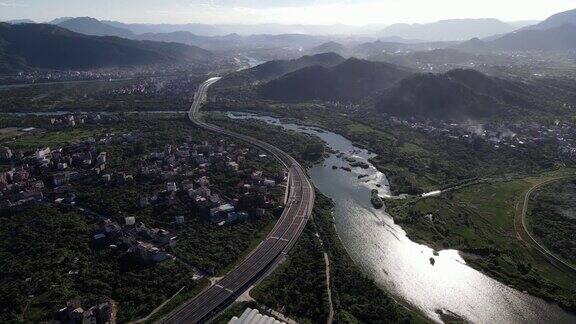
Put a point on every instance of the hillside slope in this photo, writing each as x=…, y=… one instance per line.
x=557, y=20
x=91, y=26
x=52, y=47
x=275, y=69
x=449, y=30
x=560, y=38
x=457, y=95
x=351, y=80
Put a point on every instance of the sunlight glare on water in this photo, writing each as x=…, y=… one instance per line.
x=404, y=268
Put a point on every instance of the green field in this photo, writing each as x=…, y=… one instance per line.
x=38, y=139
x=414, y=161
x=551, y=217
x=167, y=92
x=480, y=220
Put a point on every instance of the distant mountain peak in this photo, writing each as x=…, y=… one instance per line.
x=560, y=38
x=351, y=80
x=94, y=27
x=63, y=49
x=275, y=69
x=459, y=94
x=562, y=18
x=449, y=30
x=20, y=21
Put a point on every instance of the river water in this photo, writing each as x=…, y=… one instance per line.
x=402, y=267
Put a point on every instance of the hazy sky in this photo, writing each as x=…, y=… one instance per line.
x=354, y=12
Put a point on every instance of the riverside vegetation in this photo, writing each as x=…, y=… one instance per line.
x=477, y=217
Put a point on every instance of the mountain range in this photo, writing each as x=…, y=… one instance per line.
x=274, y=69
x=501, y=36
x=556, y=33
x=455, y=95
x=211, y=30
x=450, y=30
x=237, y=42
x=557, y=20
x=84, y=42
x=444, y=30
x=19, y=21
x=51, y=47
x=561, y=38
x=329, y=47
x=371, y=49
x=351, y=80
x=91, y=26
x=442, y=56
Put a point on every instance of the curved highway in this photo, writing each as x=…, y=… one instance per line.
x=264, y=259
x=525, y=235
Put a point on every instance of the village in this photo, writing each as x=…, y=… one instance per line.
x=172, y=175
x=520, y=136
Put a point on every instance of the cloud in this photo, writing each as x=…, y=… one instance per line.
x=13, y=4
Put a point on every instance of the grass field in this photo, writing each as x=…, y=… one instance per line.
x=550, y=217
x=9, y=132
x=479, y=220
x=54, y=138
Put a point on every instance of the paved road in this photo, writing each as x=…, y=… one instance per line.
x=274, y=248
x=329, y=290
x=525, y=235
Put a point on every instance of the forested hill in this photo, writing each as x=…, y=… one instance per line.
x=459, y=94
x=277, y=68
x=47, y=46
x=351, y=80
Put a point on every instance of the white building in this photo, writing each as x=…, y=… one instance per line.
x=41, y=154
x=5, y=152
x=61, y=178
x=101, y=158
x=171, y=187
x=204, y=182
x=233, y=166
x=179, y=219
x=251, y=316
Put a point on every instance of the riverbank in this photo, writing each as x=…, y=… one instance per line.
x=302, y=293
x=355, y=295
x=414, y=162
x=398, y=265
x=479, y=221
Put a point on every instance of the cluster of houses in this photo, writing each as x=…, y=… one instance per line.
x=516, y=135
x=73, y=313
x=187, y=170
x=148, y=244
x=47, y=174
x=73, y=120
x=18, y=189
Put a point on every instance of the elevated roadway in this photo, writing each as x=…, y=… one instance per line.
x=266, y=257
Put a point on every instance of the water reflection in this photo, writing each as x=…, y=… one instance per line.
x=404, y=267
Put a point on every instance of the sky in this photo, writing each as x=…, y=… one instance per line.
x=325, y=12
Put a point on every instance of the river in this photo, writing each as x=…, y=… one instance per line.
x=402, y=267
